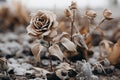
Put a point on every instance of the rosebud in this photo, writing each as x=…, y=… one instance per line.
x=107, y=14
x=91, y=13
x=67, y=13
x=73, y=5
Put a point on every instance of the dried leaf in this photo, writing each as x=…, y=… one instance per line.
x=79, y=40
x=70, y=46
x=59, y=37
x=55, y=50
x=31, y=32
x=36, y=50
x=114, y=57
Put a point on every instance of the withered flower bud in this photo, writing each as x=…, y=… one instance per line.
x=107, y=14
x=67, y=13
x=91, y=13
x=73, y=5
x=41, y=22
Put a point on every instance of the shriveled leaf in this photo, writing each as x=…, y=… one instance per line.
x=55, y=50
x=69, y=45
x=114, y=57
x=79, y=40
x=59, y=37
x=36, y=50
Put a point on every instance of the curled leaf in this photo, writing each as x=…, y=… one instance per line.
x=55, y=50
x=69, y=45
x=36, y=50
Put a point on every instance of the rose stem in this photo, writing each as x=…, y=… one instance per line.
x=50, y=57
x=72, y=23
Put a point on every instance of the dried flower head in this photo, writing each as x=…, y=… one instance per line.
x=41, y=22
x=107, y=14
x=73, y=5
x=67, y=13
x=91, y=13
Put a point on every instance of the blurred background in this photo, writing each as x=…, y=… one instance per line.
x=18, y=11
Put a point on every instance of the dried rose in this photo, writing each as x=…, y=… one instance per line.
x=41, y=22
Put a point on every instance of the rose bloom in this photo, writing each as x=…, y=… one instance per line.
x=42, y=22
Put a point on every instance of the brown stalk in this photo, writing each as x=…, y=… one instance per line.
x=51, y=68
x=72, y=23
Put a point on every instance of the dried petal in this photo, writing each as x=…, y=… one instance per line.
x=55, y=50
x=31, y=32
x=36, y=50
x=70, y=46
